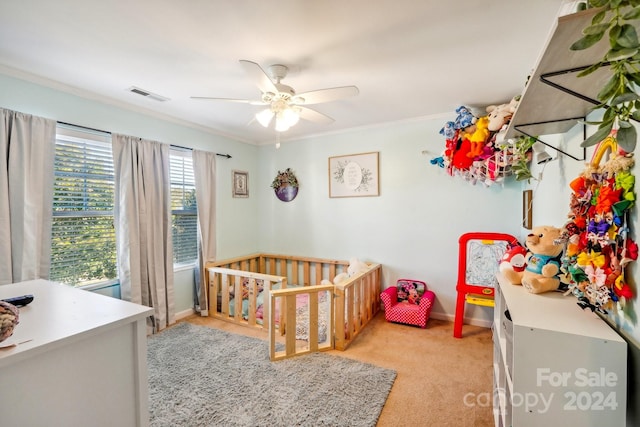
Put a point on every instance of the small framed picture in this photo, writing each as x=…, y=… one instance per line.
x=240, y=182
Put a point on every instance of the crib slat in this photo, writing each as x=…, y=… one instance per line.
x=283, y=318
x=263, y=265
x=237, y=308
x=253, y=294
x=224, y=310
x=295, y=273
x=290, y=339
x=270, y=319
x=213, y=292
x=313, y=322
x=306, y=273
x=366, y=295
x=318, y=270
x=361, y=303
x=283, y=271
x=350, y=303
x=266, y=314
x=339, y=316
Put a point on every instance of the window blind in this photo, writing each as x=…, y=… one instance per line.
x=83, y=248
x=184, y=211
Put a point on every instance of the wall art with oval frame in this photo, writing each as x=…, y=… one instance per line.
x=354, y=175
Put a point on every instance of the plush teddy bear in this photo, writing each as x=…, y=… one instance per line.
x=545, y=245
x=500, y=115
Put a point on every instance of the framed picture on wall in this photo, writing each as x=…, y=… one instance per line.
x=354, y=175
x=240, y=182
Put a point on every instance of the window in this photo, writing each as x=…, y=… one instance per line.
x=184, y=213
x=83, y=247
x=83, y=242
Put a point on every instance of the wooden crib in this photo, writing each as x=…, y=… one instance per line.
x=283, y=295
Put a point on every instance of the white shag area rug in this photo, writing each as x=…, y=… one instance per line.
x=200, y=376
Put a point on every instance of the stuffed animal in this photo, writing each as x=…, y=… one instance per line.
x=479, y=137
x=339, y=278
x=460, y=160
x=438, y=161
x=545, y=245
x=465, y=118
x=514, y=259
x=448, y=130
x=500, y=115
x=355, y=267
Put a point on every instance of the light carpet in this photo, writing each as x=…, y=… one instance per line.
x=200, y=376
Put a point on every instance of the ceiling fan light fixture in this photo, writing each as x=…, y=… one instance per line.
x=281, y=100
x=264, y=117
x=281, y=125
x=286, y=118
x=290, y=116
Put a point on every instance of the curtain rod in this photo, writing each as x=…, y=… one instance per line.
x=228, y=156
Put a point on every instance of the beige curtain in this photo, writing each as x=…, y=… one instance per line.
x=143, y=226
x=204, y=169
x=27, y=150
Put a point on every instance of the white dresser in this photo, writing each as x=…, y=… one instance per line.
x=80, y=360
x=554, y=363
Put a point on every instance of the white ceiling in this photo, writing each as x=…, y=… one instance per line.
x=410, y=58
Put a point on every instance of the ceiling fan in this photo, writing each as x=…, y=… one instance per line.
x=282, y=101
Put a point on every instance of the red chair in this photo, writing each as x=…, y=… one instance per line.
x=478, y=261
x=404, y=305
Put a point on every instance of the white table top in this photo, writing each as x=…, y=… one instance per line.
x=60, y=314
x=553, y=311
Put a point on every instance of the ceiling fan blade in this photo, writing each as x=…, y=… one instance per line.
x=242, y=101
x=314, y=116
x=259, y=77
x=325, y=95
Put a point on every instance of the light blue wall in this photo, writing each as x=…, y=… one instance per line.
x=237, y=225
x=412, y=228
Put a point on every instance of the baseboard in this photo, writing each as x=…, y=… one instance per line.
x=185, y=313
x=450, y=318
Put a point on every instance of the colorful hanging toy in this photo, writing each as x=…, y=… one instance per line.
x=474, y=148
x=598, y=243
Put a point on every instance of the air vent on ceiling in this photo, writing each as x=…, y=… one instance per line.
x=155, y=96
